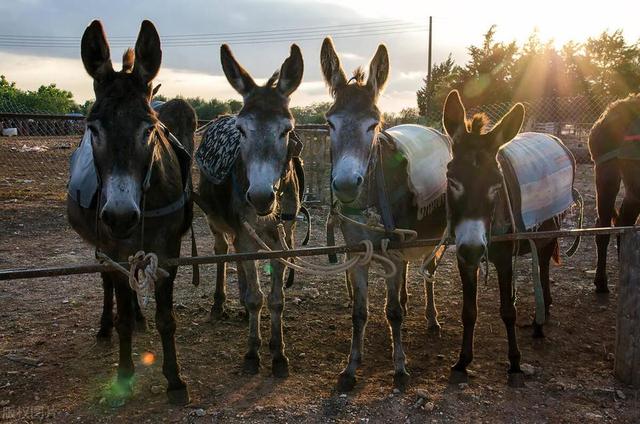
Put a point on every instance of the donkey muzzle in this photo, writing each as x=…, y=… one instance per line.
x=471, y=241
x=121, y=210
x=347, y=186
x=263, y=201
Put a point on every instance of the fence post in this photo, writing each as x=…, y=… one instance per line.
x=627, y=348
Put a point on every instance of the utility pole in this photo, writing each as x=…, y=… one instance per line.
x=427, y=108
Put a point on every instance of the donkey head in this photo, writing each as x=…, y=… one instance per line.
x=264, y=123
x=121, y=122
x=474, y=178
x=354, y=119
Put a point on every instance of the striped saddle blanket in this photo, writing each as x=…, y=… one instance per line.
x=539, y=171
x=427, y=152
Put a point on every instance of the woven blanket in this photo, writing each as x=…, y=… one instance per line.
x=427, y=152
x=219, y=149
x=539, y=171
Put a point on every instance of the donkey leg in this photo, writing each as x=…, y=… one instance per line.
x=123, y=387
x=218, y=311
x=544, y=254
x=242, y=288
x=358, y=276
x=349, y=287
x=166, y=325
x=469, y=277
x=280, y=362
x=106, y=320
x=607, y=186
x=140, y=322
x=254, y=298
x=404, y=293
x=393, y=310
x=431, y=312
x=508, y=313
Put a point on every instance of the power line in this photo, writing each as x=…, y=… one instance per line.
x=240, y=41
x=338, y=27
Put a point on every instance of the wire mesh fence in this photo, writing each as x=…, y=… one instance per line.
x=35, y=157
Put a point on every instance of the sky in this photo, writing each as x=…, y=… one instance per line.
x=251, y=28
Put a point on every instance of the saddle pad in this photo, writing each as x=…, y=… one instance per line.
x=539, y=171
x=83, y=179
x=219, y=149
x=427, y=152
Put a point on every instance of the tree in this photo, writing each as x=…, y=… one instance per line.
x=432, y=94
x=312, y=114
x=487, y=76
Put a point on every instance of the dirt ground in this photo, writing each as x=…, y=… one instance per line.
x=52, y=370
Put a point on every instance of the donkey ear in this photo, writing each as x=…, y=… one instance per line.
x=291, y=72
x=95, y=52
x=332, y=70
x=148, y=53
x=453, y=115
x=237, y=76
x=378, y=70
x=508, y=127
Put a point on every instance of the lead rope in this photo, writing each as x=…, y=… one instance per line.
x=316, y=269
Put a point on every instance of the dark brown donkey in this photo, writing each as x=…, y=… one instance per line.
x=261, y=188
x=614, y=144
x=142, y=201
x=477, y=202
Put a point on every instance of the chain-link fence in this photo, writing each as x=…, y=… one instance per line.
x=35, y=158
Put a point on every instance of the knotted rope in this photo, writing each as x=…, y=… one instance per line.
x=142, y=274
x=360, y=258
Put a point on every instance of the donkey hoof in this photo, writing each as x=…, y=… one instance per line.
x=538, y=331
x=434, y=329
x=251, y=365
x=280, y=367
x=457, y=376
x=516, y=379
x=179, y=396
x=602, y=289
x=346, y=382
x=119, y=392
x=218, y=313
x=401, y=380
x=103, y=338
x=141, y=326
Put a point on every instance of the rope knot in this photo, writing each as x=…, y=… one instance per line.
x=143, y=274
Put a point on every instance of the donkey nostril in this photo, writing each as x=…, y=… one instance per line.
x=359, y=180
x=248, y=197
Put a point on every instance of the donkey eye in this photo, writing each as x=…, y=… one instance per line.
x=331, y=126
x=148, y=131
x=241, y=131
x=372, y=127
x=285, y=133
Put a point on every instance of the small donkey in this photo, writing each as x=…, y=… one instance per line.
x=261, y=189
x=142, y=196
x=477, y=203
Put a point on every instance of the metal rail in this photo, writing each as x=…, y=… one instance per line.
x=19, y=273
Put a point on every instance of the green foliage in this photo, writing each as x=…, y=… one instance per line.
x=312, y=114
x=504, y=72
x=46, y=99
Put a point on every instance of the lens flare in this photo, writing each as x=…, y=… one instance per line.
x=148, y=358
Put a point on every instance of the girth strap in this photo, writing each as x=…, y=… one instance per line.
x=383, y=198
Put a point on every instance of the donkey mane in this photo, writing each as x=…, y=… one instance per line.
x=273, y=80
x=358, y=76
x=128, y=58
x=478, y=124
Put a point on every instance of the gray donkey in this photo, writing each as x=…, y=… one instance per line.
x=140, y=196
x=249, y=175
x=364, y=165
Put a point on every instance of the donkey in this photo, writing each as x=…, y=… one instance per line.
x=476, y=202
x=142, y=199
x=613, y=145
x=261, y=189
x=356, y=152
